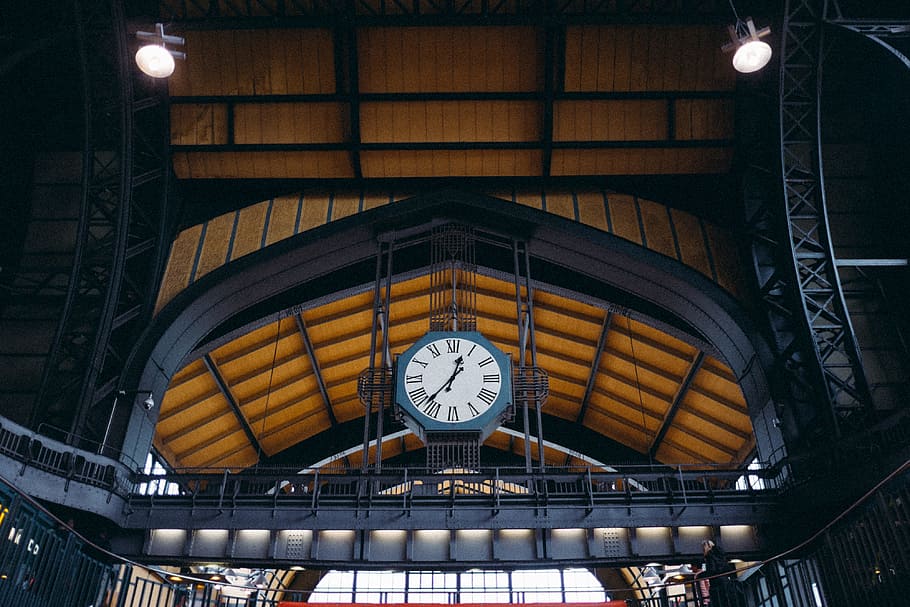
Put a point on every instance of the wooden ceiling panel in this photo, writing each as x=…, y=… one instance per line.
x=717, y=379
x=200, y=433
x=199, y=124
x=279, y=433
x=451, y=163
x=627, y=404
x=262, y=164
x=617, y=427
x=700, y=445
x=462, y=59
x=703, y=119
x=645, y=58
x=641, y=161
x=672, y=452
x=277, y=123
x=712, y=407
x=731, y=438
x=256, y=62
x=449, y=121
x=227, y=455
x=347, y=408
x=611, y=120
x=186, y=375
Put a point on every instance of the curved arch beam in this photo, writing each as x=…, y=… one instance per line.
x=653, y=283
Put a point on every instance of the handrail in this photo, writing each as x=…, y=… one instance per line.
x=499, y=482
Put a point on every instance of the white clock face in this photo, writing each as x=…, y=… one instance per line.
x=452, y=380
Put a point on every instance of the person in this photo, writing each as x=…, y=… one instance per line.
x=701, y=588
x=719, y=569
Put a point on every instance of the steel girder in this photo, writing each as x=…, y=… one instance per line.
x=119, y=251
x=875, y=29
x=837, y=355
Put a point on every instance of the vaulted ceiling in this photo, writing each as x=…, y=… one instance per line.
x=281, y=105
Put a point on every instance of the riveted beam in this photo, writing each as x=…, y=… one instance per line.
x=595, y=366
x=317, y=373
x=225, y=390
x=667, y=422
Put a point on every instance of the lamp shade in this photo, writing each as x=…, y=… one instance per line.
x=751, y=56
x=155, y=60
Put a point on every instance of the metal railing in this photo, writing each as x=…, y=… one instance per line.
x=408, y=488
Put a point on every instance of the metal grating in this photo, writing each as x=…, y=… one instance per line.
x=460, y=450
x=374, y=387
x=453, y=279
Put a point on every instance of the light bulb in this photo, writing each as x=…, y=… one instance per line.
x=155, y=60
x=751, y=56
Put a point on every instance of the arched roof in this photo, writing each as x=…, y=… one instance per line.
x=265, y=351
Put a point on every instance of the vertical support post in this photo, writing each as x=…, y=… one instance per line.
x=522, y=348
x=368, y=404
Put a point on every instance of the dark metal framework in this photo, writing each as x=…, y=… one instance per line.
x=837, y=354
x=882, y=31
x=119, y=251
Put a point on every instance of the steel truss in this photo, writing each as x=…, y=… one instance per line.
x=119, y=251
x=837, y=355
x=875, y=29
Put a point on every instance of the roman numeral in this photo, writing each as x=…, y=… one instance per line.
x=414, y=379
x=434, y=350
x=474, y=411
x=487, y=396
x=453, y=414
x=418, y=395
x=491, y=378
x=419, y=362
x=471, y=351
x=452, y=345
x=486, y=361
x=431, y=408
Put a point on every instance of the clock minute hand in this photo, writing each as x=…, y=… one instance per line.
x=447, y=386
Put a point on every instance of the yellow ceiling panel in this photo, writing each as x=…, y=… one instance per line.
x=449, y=121
x=347, y=409
x=199, y=434
x=448, y=59
x=187, y=374
x=611, y=120
x=617, y=427
x=451, y=163
x=625, y=58
x=275, y=123
x=714, y=408
x=256, y=62
x=625, y=406
x=697, y=425
x=279, y=434
x=642, y=161
x=262, y=164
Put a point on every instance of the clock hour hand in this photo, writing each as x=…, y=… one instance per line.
x=447, y=386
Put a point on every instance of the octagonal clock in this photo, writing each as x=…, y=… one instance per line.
x=454, y=381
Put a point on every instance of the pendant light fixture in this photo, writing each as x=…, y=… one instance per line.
x=154, y=58
x=750, y=52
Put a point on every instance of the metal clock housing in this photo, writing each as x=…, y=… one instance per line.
x=453, y=381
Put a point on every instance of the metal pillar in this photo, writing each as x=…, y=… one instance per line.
x=119, y=248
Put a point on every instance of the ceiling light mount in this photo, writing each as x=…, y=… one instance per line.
x=154, y=58
x=750, y=52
